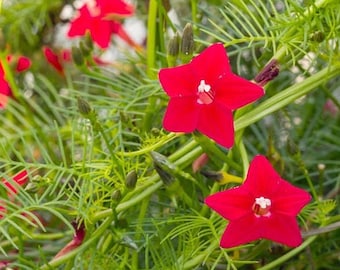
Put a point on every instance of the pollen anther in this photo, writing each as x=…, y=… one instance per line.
x=261, y=206
x=203, y=87
x=205, y=93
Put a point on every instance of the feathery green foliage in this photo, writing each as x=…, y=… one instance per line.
x=78, y=162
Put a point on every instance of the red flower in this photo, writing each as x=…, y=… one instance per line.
x=203, y=95
x=77, y=240
x=20, y=179
x=22, y=64
x=56, y=60
x=100, y=21
x=264, y=206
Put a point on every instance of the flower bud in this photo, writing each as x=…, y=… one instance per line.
x=222, y=177
x=317, y=36
x=88, y=42
x=116, y=195
x=268, y=73
x=166, y=177
x=84, y=48
x=77, y=56
x=131, y=180
x=187, y=45
x=163, y=168
x=292, y=148
x=166, y=4
x=173, y=50
x=32, y=187
x=199, y=162
x=84, y=107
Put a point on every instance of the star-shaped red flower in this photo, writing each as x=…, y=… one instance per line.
x=203, y=95
x=264, y=206
x=100, y=19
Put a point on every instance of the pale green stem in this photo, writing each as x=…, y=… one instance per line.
x=139, y=229
x=151, y=42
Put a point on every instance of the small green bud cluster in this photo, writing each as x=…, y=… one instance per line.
x=181, y=46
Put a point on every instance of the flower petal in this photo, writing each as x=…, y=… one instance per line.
x=241, y=231
x=235, y=92
x=23, y=64
x=101, y=31
x=231, y=204
x=211, y=64
x=21, y=178
x=3, y=101
x=216, y=122
x=282, y=229
x=53, y=59
x=289, y=200
x=181, y=115
x=118, y=7
x=178, y=81
x=262, y=179
x=79, y=25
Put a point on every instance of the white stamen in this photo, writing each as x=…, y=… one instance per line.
x=203, y=87
x=263, y=202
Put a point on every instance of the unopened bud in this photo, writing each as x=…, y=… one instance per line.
x=84, y=107
x=131, y=180
x=155, y=131
x=199, y=162
x=84, y=48
x=116, y=195
x=166, y=177
x=32, y=187
x=292, y=148
x=268, y=73
x=166, y=4
x=173, y=50
x=163, y=167
x=318, y=36
x=88, y=42
x=222, y=177
x=187, y=46
x=77, y=56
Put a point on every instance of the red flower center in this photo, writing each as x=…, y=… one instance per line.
x=261, y=207
x=205, y=94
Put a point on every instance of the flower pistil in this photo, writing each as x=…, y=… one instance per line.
x=262, y=206
x=205, y=93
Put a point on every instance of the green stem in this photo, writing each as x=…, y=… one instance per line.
x=151, y=42
x=288, y=255
x=194, y=12
x=139, y=229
